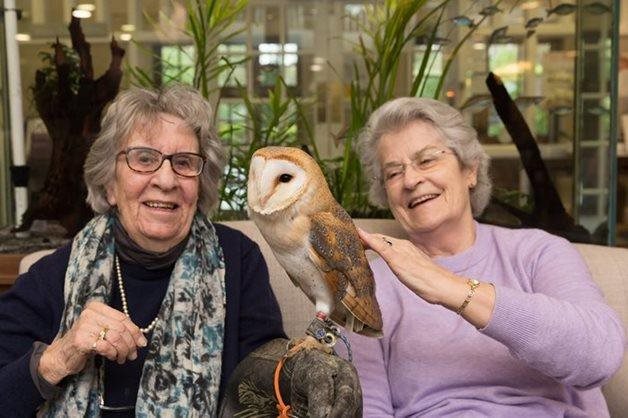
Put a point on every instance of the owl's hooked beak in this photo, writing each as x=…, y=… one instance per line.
x=262, y=202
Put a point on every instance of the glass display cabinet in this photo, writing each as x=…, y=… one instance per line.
x=596, y=131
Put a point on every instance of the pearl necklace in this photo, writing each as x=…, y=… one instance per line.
x=125, y=307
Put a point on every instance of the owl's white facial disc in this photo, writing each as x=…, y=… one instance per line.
x=274, y=184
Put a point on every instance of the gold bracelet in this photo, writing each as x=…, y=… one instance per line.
x=473, y=284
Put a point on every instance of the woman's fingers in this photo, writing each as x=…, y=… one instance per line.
x=99, y=329
x=364, y=237
x=116, y=344
x=376, y=242
x=109, y=312
x=116, y=337
x=105, y=349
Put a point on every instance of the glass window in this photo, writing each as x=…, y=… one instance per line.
x=300, y=21
x=272, y=61
x=177, y=63
x=235, y=54
x=503, y=60
x=265, y=25
x=433, y=71
x=354, y=17
x=232, y=117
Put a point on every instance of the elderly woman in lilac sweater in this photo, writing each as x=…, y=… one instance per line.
x=478, y=320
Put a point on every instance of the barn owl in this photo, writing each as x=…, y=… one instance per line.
x=313, y=238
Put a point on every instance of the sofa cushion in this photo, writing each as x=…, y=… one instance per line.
x=609, y=268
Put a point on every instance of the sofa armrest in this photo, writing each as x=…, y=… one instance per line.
x=609, y=268
x=28, y=260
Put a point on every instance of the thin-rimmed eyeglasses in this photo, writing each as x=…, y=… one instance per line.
x=424, y=160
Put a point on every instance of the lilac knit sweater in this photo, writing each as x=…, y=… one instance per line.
x=551, y=342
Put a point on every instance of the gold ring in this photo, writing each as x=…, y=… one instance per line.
x=102, y=336
x=387, y=241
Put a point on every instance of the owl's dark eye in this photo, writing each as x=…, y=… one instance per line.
x=285, y=178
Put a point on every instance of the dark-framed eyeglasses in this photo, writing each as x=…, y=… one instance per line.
x=149, y=160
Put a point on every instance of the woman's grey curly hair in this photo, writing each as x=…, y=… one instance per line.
x=139, y=108
x=459, y=136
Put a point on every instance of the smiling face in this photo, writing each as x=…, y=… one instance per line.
x=156, y=209
x=427, y=189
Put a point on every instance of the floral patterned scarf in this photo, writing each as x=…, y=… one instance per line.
x=181, y=374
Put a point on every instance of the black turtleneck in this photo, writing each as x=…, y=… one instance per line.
x=129, y=251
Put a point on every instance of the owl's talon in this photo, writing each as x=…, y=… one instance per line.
x=308, y=343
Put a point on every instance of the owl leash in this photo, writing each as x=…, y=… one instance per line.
x=326, y=333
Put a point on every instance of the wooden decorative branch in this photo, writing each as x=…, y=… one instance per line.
x=549, y=212
x=72, y=116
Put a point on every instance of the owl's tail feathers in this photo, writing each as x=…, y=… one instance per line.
x=360, y=315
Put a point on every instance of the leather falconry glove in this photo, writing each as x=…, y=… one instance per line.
x=313, y=383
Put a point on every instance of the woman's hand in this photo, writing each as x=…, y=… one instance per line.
x=100, y=329
x=412, y=266
x=433, y=283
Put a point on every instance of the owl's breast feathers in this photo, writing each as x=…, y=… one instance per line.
x=337, y=250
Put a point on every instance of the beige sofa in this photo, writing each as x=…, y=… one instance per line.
x=609, y=267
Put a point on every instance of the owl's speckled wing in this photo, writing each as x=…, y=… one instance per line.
x=338, y=252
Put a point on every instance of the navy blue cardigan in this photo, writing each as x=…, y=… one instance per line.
x=31, y=311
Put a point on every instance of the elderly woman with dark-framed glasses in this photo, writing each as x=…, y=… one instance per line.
x=479, y=321
x=150, y=308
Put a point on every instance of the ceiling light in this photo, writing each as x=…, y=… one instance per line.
x=127, y=27
x=86, y=6
x=513, y=69
x=22, y=37
x=126, y=36
x=529, y=5
x=81, y=14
